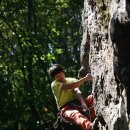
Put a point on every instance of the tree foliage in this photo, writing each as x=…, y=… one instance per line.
x=33, y=35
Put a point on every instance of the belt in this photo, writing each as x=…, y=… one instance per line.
x=70, y=103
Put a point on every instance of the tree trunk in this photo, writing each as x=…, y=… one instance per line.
x=106, y=33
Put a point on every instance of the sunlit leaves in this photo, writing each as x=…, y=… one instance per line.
x=47, y=57
x=18, y=73
x=27, y=49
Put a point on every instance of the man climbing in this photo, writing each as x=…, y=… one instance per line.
x=69, y=99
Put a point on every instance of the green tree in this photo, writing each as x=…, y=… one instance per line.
x=33, y=35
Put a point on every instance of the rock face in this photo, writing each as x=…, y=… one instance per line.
x=105, y=51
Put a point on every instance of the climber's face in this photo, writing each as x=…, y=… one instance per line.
x=60, y=77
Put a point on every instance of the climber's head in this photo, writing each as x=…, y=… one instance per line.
x=56, y=71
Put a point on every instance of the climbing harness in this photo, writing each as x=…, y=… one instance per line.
x=85, y=112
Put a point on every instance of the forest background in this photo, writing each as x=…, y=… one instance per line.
x=34, y=34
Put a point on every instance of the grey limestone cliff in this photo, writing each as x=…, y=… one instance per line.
x=105, y=51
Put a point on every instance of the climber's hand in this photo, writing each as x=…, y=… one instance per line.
x=89, y=77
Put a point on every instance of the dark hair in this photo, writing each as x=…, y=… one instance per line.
x=55, y=69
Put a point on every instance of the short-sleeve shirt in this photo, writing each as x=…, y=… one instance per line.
x=63, y=96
